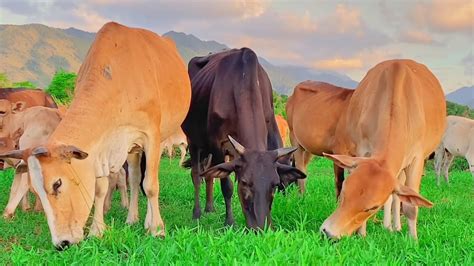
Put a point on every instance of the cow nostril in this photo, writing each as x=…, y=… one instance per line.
x=63, y=245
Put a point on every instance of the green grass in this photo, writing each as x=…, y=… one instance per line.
x=446, y=232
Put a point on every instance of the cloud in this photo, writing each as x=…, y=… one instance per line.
x=445, y=16
x=338, y=64
x=414, y=36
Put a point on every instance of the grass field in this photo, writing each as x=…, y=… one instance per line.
x=446, y=232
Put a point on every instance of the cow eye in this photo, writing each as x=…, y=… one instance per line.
x=57, y=185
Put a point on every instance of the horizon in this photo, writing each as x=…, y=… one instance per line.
x=346, y=38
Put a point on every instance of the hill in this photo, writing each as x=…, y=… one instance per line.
x=464, y=96
x=34, y=52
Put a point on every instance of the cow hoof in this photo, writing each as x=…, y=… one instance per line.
x=7, y=216
x=157, y=232
x=196, y=213
x=97, y=230
x=210, y=208
x=229, y=222
x=132, y=219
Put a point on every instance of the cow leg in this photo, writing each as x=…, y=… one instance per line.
x=25, y=202
x=38, y=206
x=338, y=179
x=362, y=231
x=108, y=197
x=449, y=157
x=438, y=162
x=153, y=221
x=397, y=224
x=98, y=224
x=209, y=195
x=413, y=175
x=182, y=151
x=122, y=186
x=18, y=195
x=387, y=213
x=227, y=190
x=134, y=179
x=197, y=186
x=301, y=161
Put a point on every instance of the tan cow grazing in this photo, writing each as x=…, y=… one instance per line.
x=283, y=129
x=313, y=112
x=125, y=101
x=458, y=140
x=395, y=119
x=177, y=139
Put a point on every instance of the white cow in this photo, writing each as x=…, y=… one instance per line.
x=458, y=140
x=177, y=139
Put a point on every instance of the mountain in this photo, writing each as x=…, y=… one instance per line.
x=463, y=96
x=34, y=52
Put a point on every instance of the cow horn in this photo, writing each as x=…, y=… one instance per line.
x=40, y=151
x=285, y=151
x=237, y=146
x=15, y=154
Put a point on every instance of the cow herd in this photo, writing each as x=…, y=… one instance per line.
x=134, y=98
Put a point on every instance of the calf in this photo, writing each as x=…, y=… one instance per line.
x=458, y=140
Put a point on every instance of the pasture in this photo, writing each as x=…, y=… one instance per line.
x=446, y=232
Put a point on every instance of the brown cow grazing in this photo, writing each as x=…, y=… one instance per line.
x=282, y=128
x=395, y=119
x=313, y=112
x=232, y=96
x=124, y=101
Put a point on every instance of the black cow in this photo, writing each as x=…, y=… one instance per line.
x=232, y=96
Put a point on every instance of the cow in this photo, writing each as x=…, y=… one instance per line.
x=282, y=128
x=395, y=119
x=125, y=103
x=231, y=127
x=177, y=139
x=458, y=140
x=19, y=99
x=31, y=97
x=313, y=111
x=32, y=128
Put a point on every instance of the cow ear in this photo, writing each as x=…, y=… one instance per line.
x=289, y=174
x=14, y=154
x=68, y=152
x=344, y=161
x=219, y=171
x=18, y=106
x=411, y=197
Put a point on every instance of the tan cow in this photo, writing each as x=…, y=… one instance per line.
x=177, y=139
x=132, y=91
x=283, y=129
x=313, y=112
x=458, y=140
x=395, y=119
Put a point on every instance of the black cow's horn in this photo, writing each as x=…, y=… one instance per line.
x=285, y=151
x=237, y=146
x=40, y=151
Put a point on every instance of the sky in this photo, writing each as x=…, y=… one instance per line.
x=349, y=37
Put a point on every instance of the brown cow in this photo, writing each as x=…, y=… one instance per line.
x=125, y=102
x=395, y=119
x=313, y=112
x=283, y=129
x=177, y=139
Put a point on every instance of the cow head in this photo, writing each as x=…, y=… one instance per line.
x=363, y=193
x=59, y=177
x=258, y=174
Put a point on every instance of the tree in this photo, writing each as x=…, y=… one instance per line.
x=24, y=84
x=62, y=86
x=279, y=104
x=4, y=81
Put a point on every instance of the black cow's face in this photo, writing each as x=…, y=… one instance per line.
x=258, y=174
